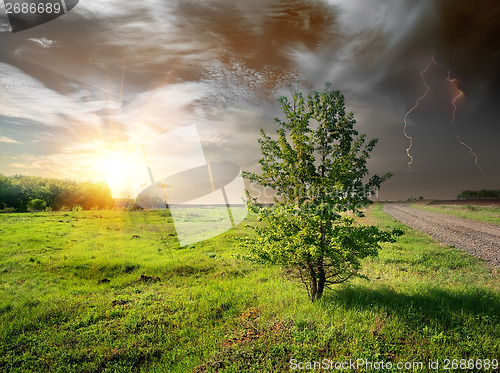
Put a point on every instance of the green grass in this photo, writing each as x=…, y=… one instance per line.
x=485, y=214
x=210, y=312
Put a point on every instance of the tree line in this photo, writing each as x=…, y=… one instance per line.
x=22, y=193
x=479, y=194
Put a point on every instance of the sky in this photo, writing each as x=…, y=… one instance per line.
x=80, y=93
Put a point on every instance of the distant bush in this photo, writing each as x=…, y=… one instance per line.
x=479, y=194
x=36, y=204
x=8, y=210
x=77, y=208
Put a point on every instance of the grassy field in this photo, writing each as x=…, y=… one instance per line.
x=209, y=312
x=485, y=214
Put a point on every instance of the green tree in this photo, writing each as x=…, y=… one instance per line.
x=316, y=165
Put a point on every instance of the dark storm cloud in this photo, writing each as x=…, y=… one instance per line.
x=187, y=41
x=385, y=44
x=468, y=38
x=260, y=33
x=463, y=35
x=163, y=43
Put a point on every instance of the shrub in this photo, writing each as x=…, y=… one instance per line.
x=8, y=210
x=36, y=204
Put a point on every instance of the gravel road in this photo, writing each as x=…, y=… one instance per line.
x=480, y=239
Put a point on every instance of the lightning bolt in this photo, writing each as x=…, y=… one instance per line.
x=453, y=103
x=460, y=94
x=471, y=151
x=417, y=103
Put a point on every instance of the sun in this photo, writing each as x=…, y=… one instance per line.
x=116, y=175
x=114, y=167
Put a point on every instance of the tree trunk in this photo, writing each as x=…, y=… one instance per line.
x=319, y=265
x=317, y=280
x=313, y=282
x=321, y=279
